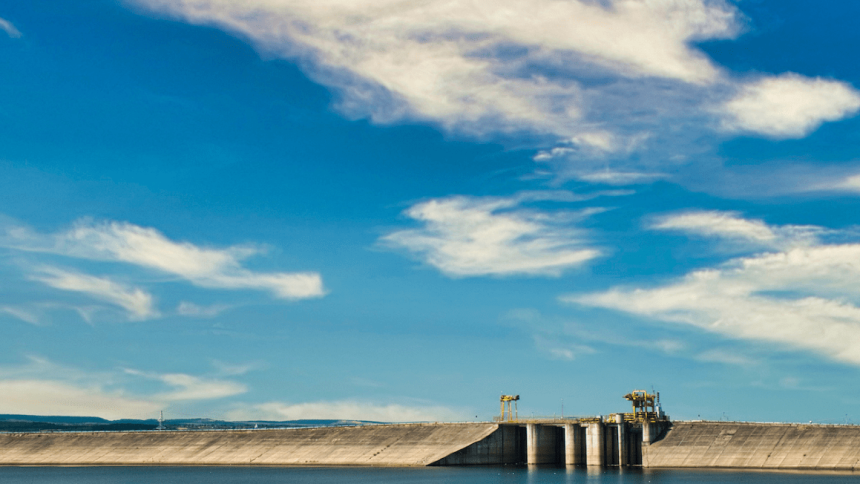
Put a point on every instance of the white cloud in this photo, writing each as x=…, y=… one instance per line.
x=789, y=106
x=234, y=370
x=146, y=247
x=850, y=183
x=559, y=349
x=10, y=29
x=20, y=313
x=556, y=152
x=467, y=236
x=726, y=357
x=617, y=81
x=189, y=387
x=186, y=308
x=563, y=339
x=593, y=144
x=41, y=387
x=732, y=227
x=720, y=224
x=596, y=140
x=800, y=294
x=39, y=312
x=609, y=177
x=344, y=410
x=47, y=397
x=477, y=66
x=134, y=300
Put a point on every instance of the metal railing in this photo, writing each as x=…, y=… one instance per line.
x=545, y=419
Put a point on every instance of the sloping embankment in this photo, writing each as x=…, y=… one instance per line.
x=756, y=446
x=377, y=445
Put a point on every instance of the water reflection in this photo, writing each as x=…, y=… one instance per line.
x=432, y=475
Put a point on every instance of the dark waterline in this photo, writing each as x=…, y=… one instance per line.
x=448, y=475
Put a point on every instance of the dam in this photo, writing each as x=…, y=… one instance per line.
x=644, y=438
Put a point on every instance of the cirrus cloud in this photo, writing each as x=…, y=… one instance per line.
x=42, y=387
x=601, y=80
x=482, y=67
x=801, y=292
x=148, y=248
x=344, y=410
x=472, y=236
x=136, y=301
x=10, y=29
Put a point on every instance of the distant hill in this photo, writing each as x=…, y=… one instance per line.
x=41, y=423
x=58, y=420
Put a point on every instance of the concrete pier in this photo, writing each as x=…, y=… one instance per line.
x=623, y=459
x=541, y=444
x=594, y=444
x=573, y=445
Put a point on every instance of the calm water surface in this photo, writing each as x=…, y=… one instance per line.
x=445, y=475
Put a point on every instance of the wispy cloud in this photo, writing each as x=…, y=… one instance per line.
x=10, y=29
x=448, y=62
x=564, y=339
x=592, y=144
x=726, y=357
x=609, y=177
x=775, y=178
x=731, y=226
x=800, y=294
x=186, y=308
x=234, y=370
x=789, y=106
x=470, y=236
x=21, y=313
x=559, y=349
x=599, y=79
x=136, y=301
x=48, y=397
x=345, y=410
x=42, y=387
x=148, y=248
x=189, y=387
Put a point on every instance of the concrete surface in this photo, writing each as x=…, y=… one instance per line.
x=375, y=445
x=504, y=446
x=542, y=444
x=594, y=444
x=756, y=446
x=573, y=446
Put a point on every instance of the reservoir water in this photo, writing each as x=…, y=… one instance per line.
x=427, y=475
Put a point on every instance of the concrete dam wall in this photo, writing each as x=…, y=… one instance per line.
x=376, y=445
x=593, y=443
x=756, y=446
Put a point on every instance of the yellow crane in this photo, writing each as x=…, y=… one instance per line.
x=512, y=415
x=642, y=401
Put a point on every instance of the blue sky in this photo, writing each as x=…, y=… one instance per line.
x=394, y=210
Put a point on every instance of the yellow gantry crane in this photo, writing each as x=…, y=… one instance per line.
x=642, y=401
x=512, y=415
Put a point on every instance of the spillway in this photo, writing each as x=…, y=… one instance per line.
x=744, y=445
x=372, y=445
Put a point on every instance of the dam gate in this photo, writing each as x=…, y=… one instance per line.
x=591, y=442
x=617, y=440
